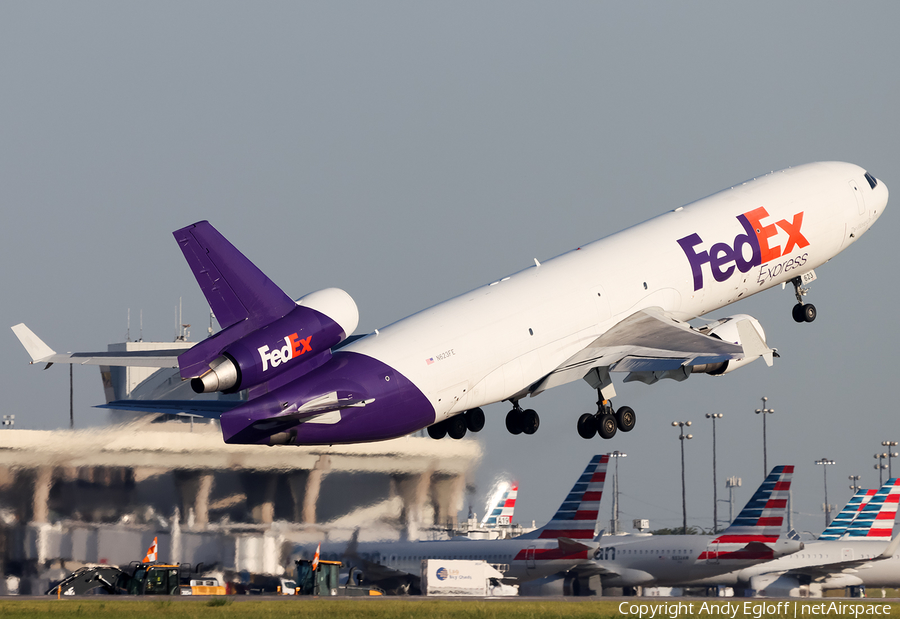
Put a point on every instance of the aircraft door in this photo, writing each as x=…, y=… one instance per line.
x=846, y=554
x=529, y=558
x=712, y=553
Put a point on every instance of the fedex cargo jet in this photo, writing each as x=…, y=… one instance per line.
x=617, y=305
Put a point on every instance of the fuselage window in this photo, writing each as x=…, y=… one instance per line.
x=872, y=180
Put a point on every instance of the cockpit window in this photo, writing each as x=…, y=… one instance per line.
x=872, y=180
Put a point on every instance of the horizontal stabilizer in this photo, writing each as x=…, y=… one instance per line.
x=210, y=409
x=41, y=353
x=34, y=345
x=570, y=546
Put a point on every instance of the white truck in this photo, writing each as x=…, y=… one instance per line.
x=463, y=578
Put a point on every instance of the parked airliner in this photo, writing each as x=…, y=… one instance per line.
x=617, y=305
x=564, y=542
x=754, y=537
x=865, y=555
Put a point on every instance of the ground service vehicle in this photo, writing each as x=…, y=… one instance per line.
x=145, y=579
x=323, y=580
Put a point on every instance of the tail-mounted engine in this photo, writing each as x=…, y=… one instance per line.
x=320, y=321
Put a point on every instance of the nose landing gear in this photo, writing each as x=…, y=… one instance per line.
x=802, y=312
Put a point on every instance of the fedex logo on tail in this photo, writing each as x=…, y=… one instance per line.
x=725, y=258
x=294, y=346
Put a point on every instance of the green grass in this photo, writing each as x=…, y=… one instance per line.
x=325, y=608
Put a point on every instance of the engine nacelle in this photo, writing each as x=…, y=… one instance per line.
x=320, y=321
x=784, y=585
x=726, y=330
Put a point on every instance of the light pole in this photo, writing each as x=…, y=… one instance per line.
x=715, y=416
x=615, y=510
x=880, y=466
x=890, y=454
x=682, y=436
x=825, y=462
x=854, y=483
x=731, y=483
x=765, y=411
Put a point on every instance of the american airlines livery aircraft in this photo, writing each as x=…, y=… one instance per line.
x=561, y=544
x=617, y=305
x=865, y=555
x=752, y=538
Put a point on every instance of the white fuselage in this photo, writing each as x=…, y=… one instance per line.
x=819, y=554
x=492, y=343
x=665, y=560
x=526, y=559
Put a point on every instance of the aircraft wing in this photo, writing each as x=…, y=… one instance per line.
x=41, y=353
x=849, y=566
x=324, y=409
x=652, y=341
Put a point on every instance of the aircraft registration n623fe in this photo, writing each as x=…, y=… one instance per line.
x=620, y=304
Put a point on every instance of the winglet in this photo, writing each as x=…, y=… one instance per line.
x=34, y=345
x=754, y=346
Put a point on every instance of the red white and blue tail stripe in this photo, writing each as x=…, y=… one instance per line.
x=501, y=512
x=576, y=518
x=763, y=515
x=876, y=519
x=838, y=527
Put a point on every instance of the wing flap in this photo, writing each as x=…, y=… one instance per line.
x=650, y=340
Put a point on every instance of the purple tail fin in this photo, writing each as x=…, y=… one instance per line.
x=234, y=287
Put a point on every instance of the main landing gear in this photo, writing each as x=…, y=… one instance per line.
x=802, y=312
x=606, y=421
x=457, y=426
x=520, y=421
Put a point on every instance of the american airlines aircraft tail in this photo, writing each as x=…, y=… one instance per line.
x=576, y=518
x=759, y=523
x=837, y=528
x=501, y=511
x=876, y=518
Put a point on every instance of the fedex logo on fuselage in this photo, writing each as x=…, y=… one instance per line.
x=294, y=346
x=724, y=258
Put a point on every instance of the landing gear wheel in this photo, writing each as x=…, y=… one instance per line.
x=606, y=426
x=626, y=418
x=587, y=427
x=437, y=431
x=514, y=421
x=474, y=420
x=797, y=313
x=530, y=421
x=456, y=427
x=809, y=312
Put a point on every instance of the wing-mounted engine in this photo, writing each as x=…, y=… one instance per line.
x=235, y=359
x=740, y=329
x=715, y=348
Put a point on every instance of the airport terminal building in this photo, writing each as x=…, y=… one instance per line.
x=68, y=497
